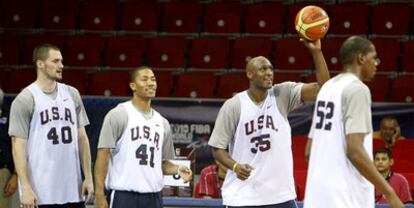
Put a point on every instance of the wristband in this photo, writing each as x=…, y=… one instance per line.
x=234, y=167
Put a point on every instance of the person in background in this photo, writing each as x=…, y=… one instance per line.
x=8, y=176
x=211, y=180
x=383, y=161
x=389, y=132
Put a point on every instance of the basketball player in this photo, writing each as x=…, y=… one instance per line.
x=340, y=166
x=49, y=140
x=137, y=143
x=255, y=127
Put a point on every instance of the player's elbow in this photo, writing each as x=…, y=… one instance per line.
x=352, y=153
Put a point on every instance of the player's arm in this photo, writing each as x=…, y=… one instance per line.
x=100, y=171
x=29, y=198
x=169, y=168
x=355, y=152
x=308, y=148
x=310, y=90
x=114, y=124
x=242, y=170
x=85, y=155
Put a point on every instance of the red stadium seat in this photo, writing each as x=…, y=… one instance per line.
x=232, y=83
x=402, y=89
x=300, y=181
x=246, y=48
x=331, y=48
x=379, y=88
x=388, y=51
x=181, y=17
x=222, y=17
x=98, y=16
x=9, y=54
x=410, y=178
x=31, y=41
x=209, y=53
x=391, y=19
x=110, y=83
x=165, y=83
x=19, y=79
x=76, y=78
x=167, y=52
x=196, y=85
x=140, y=16
x=3, y=77
x=377, y=143
x=222, y=23
x=83, y=50
x=124, y=51
x=405, y=144
x=298, y=147
x=59, y=14
x=19, y=14
x=349, y=18
x=403, y=166
x=300, y=163
x=402, y=153
x=407, y=56
x=291, y=54
x=287, y=77
x=9, y=49
x=294, y=9
x=265, y=18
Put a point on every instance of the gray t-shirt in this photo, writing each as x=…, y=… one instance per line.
x=115, y=123
x=288, y=97
x=356, y=108
x=22, y=109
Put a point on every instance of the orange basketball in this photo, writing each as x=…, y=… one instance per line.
x=312, y=22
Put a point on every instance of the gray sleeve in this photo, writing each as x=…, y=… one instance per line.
x=288, y=96
x=80, y=109
x=113, y=127
x=168, y=145
x=21, y=114
x=356, y=108
x=226, y=123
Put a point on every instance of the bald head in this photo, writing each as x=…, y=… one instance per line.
x=256, y=62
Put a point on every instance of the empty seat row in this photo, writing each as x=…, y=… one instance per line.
x=194, y=84
x=203, y=53
x=194, y=17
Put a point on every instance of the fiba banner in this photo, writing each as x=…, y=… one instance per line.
x=176, y=180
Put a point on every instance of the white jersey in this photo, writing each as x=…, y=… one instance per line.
x=332, y=179
x=52, y=148
x=261, y=142
x=136, y=161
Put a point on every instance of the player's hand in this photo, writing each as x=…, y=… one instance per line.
x=11, y=186
x=397, y=134
x=243, y=171
x=29, y=198
x=87, y=187
x=185, y=173
x=312, y=45
x=100, y=202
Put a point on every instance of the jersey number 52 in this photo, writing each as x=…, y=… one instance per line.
x=324, y=111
